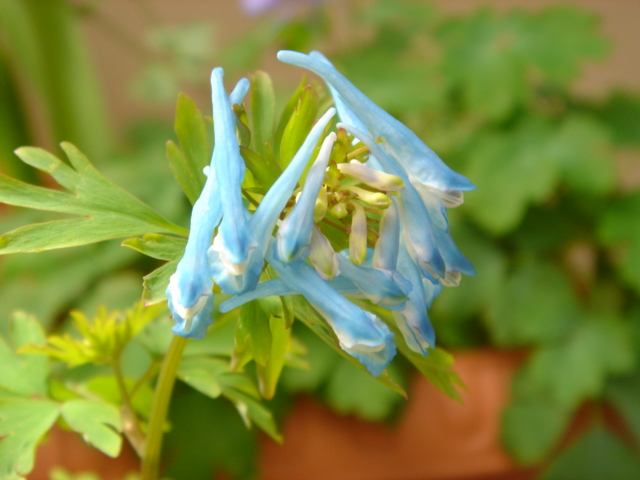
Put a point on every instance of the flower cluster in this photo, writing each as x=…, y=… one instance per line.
x=389, y=195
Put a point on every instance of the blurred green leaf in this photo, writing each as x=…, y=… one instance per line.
x=201, y=373
x=571, y=372
x=285, y=116
x=623, y=393
x=350, y=390
x=23, y=373
x=620, y=228
x=188, y=162
x=511, y=169
x=532, y=427
x=99, y=424
x=598, y=454
x=263, y=115
x=537, y=304
x=22, y=424
x=621, y=115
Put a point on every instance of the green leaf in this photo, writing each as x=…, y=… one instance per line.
x=264, y=170
x=511, y=169
x=22, y=424
x=156, y=283
x=99, y=424
x=621, y=115
x=269, y=374
x=24, y=373
x=191, y=128
x=349, y=390
x=623, y=393
x=558, y=40
x=155, y=245
x=109, y=212
x=254, y=321
x=620, y=228
x=597, y=455
x=285, y=116
x=584, y=155
x=299, y=125
x=263, y=115
x=201, y=373
x=531, y=428
x=243, y=394
x=537, y=304
x=570, y=372
x=242, y=125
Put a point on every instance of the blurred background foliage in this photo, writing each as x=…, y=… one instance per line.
x=553, y=229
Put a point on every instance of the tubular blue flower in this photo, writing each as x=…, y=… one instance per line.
x=263, y=221
x=294, y=234
x=234, y=240
x=385, y=255
x=386, y=288
x=413, y=321
x=418, y=228
x=189, y=293
x=361, y=334
x=400, y=143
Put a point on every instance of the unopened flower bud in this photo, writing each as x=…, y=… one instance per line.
x=371, y=176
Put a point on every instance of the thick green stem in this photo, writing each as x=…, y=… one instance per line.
x=160, y=407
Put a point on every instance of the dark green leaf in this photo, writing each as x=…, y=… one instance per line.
x=599, y=454
x=537, y=304
x=531, y=428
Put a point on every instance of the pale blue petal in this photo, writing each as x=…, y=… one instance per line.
x=381, y=287
x=236, y=239
x=294, y=234
x=416, y=223
x=239, y=91
x=263, y=221
x=399, y=142
x=195, y=327
x=413, y=321
x=361, y=334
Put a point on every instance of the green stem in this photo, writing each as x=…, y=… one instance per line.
x=160, y=407
x=132, y=428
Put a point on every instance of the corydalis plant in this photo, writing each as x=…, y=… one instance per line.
x=360, y=213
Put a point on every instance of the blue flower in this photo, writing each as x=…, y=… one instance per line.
x=400, y=143
x=361, y=334
x=190, y=290
x=294, y=234
x=262, y=222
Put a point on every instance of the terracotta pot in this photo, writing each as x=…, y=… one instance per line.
x=436, y=438
x=67, y=450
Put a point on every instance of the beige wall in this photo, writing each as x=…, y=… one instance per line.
x=118, y=63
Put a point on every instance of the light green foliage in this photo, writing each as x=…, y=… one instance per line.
x=107, y=211
x=101, y=340
x=263, y=115
x=299, y=125
x=98, y=423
